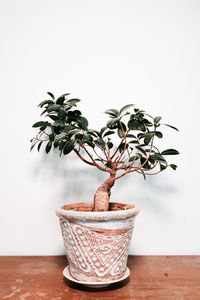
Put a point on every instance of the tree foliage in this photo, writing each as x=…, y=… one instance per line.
x=125, y=144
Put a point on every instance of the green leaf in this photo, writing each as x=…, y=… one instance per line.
x=44, y=111
x=48, y=146
x=83, y=122
x=68, y=147
x=152, y=161
x=145, y=163
x=131, y=136
x=139, y=117
x=98, y=159
x=74, y=131
x=56, y=143
x=53, y=107
x=152, y=151
x=72, y=102
x=110, y=145
x=108, y=133
x=113, y=124
x=157, y=120
x=140, y=136
x=143, y=175
x=120, y=133
x=121, y=124
x=122, y=147
x=141, y=150
x=112, y=112
x=148, y=137
x=52, y=117
x=60, y=100
x=170, y=152
x=100, y=142
x=171, y=126
x=39, y=146
x=64, y=95
x=88, y=139
x=51, y=137
x=94, y=133
x=125, y=108
x=159, y=134
x=68, y=128
x=41, y=123
x=58, y=123
x=60, y=136
x=103, y=129
x=74, y=114
x=141, y=126
x=132, y=158
x=132, y=117
x=158, y=157
x=162, y=167
x=133, y=142
x=147, y=122
x=45, y=102
x=79, y=136
x=173, y=166
x=33, y=145
x=51, y=95
x=62, y=113
x=108, y=164
x=87, y=136
x=61, y=145
x=133, y=124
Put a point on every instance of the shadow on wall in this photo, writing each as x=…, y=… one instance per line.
x=154, y=196
x=72, y=180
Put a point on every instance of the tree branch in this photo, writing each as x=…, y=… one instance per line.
x=129, y=167
x=94, y=162
x=82, y=158
x=148, y=173
x=45, y=140
x=99, y=156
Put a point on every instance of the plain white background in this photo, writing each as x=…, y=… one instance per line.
x=108, y=53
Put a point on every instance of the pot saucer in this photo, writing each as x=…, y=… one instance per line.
x=99, y=284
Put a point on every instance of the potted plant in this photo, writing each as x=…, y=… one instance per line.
x=97, y=234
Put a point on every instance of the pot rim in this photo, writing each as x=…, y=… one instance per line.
x=97, y=215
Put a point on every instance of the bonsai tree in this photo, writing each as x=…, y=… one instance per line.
x=126, y=144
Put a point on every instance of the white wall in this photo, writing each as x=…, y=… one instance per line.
x=108, y=53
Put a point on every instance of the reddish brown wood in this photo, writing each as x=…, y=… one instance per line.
x=152, y=277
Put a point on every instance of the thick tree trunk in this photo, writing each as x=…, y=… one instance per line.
x=102, y=195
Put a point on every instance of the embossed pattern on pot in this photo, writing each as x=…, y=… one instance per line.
x=98, y=254
x=97, y=243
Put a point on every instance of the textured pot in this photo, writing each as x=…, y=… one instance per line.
x=97, y=242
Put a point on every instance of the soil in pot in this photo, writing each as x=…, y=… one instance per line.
x=84, y=206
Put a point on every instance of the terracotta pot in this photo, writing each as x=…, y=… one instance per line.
x=97, y=242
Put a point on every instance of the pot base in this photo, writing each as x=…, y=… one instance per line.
x=101, y=284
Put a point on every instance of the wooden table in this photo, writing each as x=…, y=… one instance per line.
x=152, y=277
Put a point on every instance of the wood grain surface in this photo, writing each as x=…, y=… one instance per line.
x=152, y=277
